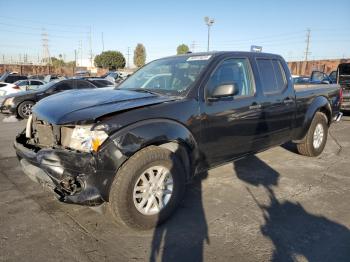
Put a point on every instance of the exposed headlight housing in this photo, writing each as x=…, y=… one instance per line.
x=87, y=140
x=8, y=101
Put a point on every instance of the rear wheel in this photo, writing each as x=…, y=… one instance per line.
x=24, y=110
x=316, y=137
x=147, y=188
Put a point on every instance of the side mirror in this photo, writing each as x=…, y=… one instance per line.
x=224, y=90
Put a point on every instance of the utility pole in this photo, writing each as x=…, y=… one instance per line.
x=81, y=52
x=128, y=54
x=90, y=45
x=75, y=57
x=209, y=22
x=308, y=36
x=193, y=46
x=103, y=42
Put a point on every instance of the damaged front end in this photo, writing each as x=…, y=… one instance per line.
x=43, y=152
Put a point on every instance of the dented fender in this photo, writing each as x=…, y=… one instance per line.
x=127, y=141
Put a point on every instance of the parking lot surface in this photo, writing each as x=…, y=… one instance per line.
x=275, y=206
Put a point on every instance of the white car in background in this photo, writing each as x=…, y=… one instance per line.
x=20, y=85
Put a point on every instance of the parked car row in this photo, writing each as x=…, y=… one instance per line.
x=20, y=103
x=340, y=76
x=316, y=77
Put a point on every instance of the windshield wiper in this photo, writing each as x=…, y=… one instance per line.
x=143, y=90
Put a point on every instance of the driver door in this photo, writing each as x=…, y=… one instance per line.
x=230, y=125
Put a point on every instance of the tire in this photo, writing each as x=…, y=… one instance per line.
x=312, y=145
x=122, y=201
x=24, y=110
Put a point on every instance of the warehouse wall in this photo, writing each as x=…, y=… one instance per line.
x=305, y=68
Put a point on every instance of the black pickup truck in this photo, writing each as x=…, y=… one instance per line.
x=136, y=146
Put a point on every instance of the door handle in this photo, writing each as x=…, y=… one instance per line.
x=288, y=100
x=255, y=106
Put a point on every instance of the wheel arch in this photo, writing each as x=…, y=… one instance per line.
x=165, y=133
x=320, y=104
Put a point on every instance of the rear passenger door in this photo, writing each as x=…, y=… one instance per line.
x=278, y=101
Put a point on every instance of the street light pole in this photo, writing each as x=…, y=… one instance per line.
x=209, y=22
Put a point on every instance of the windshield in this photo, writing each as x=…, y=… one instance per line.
x=21, y=83
x=171, y=76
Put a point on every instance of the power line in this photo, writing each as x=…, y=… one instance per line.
x=35, y=34
x=43, y=22
x=45, y=47
x=38, y=28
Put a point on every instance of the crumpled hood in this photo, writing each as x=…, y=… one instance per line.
x=87, y=105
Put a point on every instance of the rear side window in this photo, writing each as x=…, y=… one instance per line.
x=35, y=83
x=82, y=84
x=62, y=86
x=272, y=75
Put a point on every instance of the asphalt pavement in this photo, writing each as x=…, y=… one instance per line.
x=275, y=206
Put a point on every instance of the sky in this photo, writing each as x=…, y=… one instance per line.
x=276, y=25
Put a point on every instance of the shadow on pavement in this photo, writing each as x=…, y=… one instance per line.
x=183, y=236
x=294, y=232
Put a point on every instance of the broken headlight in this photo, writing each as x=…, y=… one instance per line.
x=87, y=140
x=8, y=101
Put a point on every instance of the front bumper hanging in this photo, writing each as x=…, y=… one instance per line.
x=71, y=175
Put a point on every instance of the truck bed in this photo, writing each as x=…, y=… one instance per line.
x=310, y=91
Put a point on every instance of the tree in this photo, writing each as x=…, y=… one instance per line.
x=70, y=64
x=182, y=49
x=57, y=62
x=110, y=60
x=140, y=55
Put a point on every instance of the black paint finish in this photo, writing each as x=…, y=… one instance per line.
x=208, y=132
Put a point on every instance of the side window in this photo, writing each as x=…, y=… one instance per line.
x=233, y=71
x=83, y=85
x=272, y=76
x=23, y=83
x=281, y=78
x=35, y=83
x=62, y=86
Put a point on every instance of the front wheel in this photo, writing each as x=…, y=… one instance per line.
x=24, y=110
x=147, y=188
x=316, y=137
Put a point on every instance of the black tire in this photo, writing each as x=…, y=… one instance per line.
x=121, y=202
x=24, y=108
x=306, y=147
